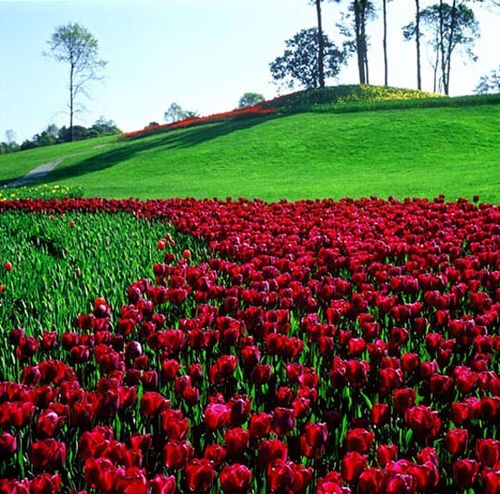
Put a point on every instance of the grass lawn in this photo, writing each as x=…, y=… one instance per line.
x=410, y=152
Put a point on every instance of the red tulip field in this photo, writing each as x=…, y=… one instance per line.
x=207, y=346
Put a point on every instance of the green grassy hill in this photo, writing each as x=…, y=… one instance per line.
x=399, y=152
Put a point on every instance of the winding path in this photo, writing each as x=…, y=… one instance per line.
x=34, y=174
x=42, y=170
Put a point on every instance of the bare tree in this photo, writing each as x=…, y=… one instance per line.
x=417, y=41
x=10, y=136
x=75, y=45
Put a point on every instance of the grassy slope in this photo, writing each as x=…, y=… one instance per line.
x=14, y=165
x=414, y=152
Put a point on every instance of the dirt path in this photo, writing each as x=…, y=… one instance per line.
x=34, y=174
x=42, y=170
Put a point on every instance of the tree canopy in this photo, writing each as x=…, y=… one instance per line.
x=299, y=63
x=250, y=99
x=175, y=114
x=489, y=83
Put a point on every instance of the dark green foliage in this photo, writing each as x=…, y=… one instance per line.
x=299, y=63
x=250, y=99
x=53, y=135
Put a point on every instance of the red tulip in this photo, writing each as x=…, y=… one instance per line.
x=465, y=473
x=423, y=420
x=260, y=425
x=491, y=481
x=8, y=445
x=283, y=421
x=380, y=413
x=235, y=479
x=152, y=403
x=48, y=424
x=399, y=483
x=386, y=453
x=271, y=451
x=404, y=398
x=176, y=454
x=288, y=477
x=100, y=473
x=48, y=454
x=371, y=481
x=215, y=453
x=353, y=464
x=43, y=484
x=488, y=451
x=133, y=480
x=161, y=484
x=174, y=424
x=236, y=441
x=456, y=440
x=359, y=440
x=200, y=475
x=217, y=416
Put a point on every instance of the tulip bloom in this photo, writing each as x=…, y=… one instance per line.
x=235, y=479
x=200, y=475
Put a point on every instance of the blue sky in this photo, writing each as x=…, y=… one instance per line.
x=203, y=54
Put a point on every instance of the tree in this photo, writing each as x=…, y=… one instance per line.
x=445, y=31
x=175, y=114
x=489, y=83
x=354, y=29
x=52, y=130
x=76, y=46
x=10, y=145
x=417, y=42
x=104, y=127
x=384, y=43
x=10, y=136
x=299, y=63
x=250, y=99
x=321, y=46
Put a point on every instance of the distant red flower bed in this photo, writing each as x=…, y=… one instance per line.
x=326, y=347
x=253, y=111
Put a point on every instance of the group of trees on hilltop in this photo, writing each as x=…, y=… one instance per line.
x=54, y=135
x=310, y=56
x=176, y=113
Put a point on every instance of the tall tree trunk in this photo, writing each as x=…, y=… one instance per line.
x=321, y=54
x=441, y=46
x=363, y=39
x=71, y=102
x=417, y=37
x=359, y=42
x=436, y=65
x=451, y=42
x=367, y=72
x=386, y=83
